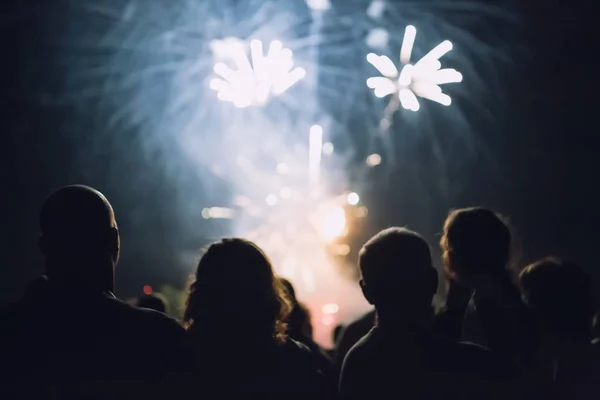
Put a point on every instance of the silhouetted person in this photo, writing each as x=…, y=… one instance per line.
x=559, y=295
x=351, y=334
x=299, y=328
x=235, y=316
x=483, y=304
x=400, y=357
x=69, y=336
x=152, y=302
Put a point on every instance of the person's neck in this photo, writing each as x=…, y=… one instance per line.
x=408, y=320
x=98, y=279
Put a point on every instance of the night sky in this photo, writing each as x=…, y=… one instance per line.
x=533, y=156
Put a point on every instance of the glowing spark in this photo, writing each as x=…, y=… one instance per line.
x=256, y=82
x=422, y=79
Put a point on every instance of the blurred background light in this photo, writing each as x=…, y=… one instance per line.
x=319, y=5
x=373, y=160
x=353, y=198
x=328, y=148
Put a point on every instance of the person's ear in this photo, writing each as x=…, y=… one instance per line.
x=366, y=291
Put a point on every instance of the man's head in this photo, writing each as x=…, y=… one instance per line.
x=559, y=294
x=475, y=241
x=79, y=238
x=397, y=271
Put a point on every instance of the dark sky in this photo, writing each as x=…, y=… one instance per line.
x=537, y=162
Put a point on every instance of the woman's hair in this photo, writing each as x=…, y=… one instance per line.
x=235, y=290
x=475, y=240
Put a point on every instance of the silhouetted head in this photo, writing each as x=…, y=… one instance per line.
x=236, y=291
x=79, y=239
x=398, y=273
x=152, y=302
x=475, y=241
x=560, y=296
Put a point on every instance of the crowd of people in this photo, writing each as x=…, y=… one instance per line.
x=245, y=335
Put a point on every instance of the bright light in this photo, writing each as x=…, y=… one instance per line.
x=331, y=308
x=328, y=148
x=253, y=82
x=318, y=5
x=333, y=224
x=420, y=79
x=271, y=200
x=373, y=160
x=353, y=199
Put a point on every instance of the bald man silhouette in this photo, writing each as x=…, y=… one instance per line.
x=69, y=334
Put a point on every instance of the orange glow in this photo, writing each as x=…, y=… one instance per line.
x=148, y=290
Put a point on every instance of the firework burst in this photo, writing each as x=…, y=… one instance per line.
x=422, y=79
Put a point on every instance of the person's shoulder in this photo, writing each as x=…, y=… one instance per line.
x=144, y=318
x=364, y=347
x=367, y=320
x=298, y=354
x=367, y=341
x=294, y=347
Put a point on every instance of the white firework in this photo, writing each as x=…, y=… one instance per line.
x=256, y=80
x=422, y=79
